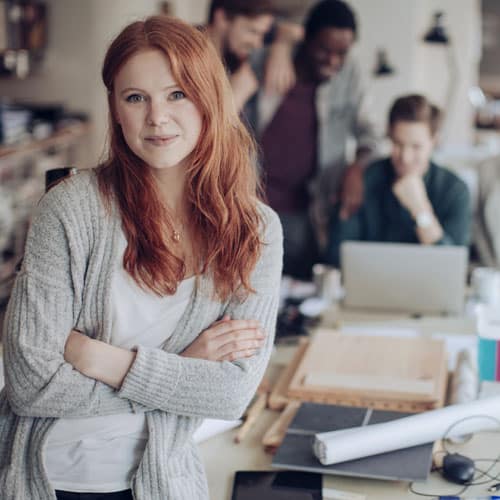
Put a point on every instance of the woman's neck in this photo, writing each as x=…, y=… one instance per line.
x=171, y=184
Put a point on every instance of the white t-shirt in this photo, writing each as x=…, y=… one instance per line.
x=101, y=454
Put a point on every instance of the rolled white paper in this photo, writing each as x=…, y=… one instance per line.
x=350, y=444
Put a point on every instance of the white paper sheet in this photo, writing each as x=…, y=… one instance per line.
x=379, y=331
x=454, y=344
x=211, y=427
x=350, y=444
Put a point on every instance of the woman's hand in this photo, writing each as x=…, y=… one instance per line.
x=98, y=360
x=227, y=340
x=77, y=351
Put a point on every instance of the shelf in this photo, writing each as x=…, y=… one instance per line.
x=22, y=174
x=62, y=138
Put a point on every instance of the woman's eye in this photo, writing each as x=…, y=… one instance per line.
x=176, y=95
x=135, y=98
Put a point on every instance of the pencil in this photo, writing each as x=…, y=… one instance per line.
x=253, y=413
x=275, y=434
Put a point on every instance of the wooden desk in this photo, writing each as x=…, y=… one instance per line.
x=222, y=457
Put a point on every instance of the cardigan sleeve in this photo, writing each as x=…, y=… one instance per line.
x=195, y=387
x=42, y=310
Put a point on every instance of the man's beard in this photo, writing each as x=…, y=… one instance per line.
x=232, y=61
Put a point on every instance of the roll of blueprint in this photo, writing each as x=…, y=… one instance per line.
x=451, y=421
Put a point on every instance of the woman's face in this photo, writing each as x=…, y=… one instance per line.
x=412, y=145
x=160, y=124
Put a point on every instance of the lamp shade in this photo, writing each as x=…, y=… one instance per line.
x=382, y=64
x=437, y=32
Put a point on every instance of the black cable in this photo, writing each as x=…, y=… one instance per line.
x=476, y=481
x=433, y=495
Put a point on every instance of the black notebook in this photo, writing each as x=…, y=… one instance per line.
x=296, y=452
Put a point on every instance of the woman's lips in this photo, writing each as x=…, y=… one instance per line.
x=160, y=140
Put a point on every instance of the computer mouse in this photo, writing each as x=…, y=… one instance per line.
x=458, y=468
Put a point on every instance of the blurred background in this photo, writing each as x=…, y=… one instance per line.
x=53, y=107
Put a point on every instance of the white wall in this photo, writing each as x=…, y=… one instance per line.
x=81, y=30
x=432, y=72
x=79, y=34
x=399, y=26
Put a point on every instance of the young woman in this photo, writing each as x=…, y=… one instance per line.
x=407, y=197
x=149, y=289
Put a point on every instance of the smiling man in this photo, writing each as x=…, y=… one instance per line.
x=304, y=135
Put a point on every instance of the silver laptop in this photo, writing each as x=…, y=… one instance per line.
x=404, y=277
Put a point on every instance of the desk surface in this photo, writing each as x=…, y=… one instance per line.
x=222, y=457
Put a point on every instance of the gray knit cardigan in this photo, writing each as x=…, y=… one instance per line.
x=64, y=283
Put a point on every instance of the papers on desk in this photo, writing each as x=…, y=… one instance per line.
x=295, y=453
x=456, y=343
x=379, y=331
x=211, y=427
x=452, y=421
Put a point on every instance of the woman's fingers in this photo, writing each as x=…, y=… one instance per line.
x=246, y=353
x=253, y=343
x=234, y=325
x=227, y=339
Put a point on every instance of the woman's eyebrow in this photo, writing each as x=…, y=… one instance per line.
x=137, y=89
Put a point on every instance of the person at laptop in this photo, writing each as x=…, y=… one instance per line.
x=408, y=198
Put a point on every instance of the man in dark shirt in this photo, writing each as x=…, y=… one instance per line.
x=303, y=135
x=408, y=198
x=289, y=157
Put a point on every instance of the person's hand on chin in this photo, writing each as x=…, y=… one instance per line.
x=411, y=193
x=410, y=190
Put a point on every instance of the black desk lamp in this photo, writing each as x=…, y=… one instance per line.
x=382, y=65
x=437, y=35
x=437, y=32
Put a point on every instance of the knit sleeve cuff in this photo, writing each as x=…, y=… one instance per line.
x=152, y=378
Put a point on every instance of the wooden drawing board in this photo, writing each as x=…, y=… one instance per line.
x=405, y=374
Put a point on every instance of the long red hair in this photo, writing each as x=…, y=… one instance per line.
x=221, y=182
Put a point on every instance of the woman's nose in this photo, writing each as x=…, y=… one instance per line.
x=158, y=113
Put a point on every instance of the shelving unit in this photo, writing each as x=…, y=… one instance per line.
x=23, y=36
x=22, y=183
